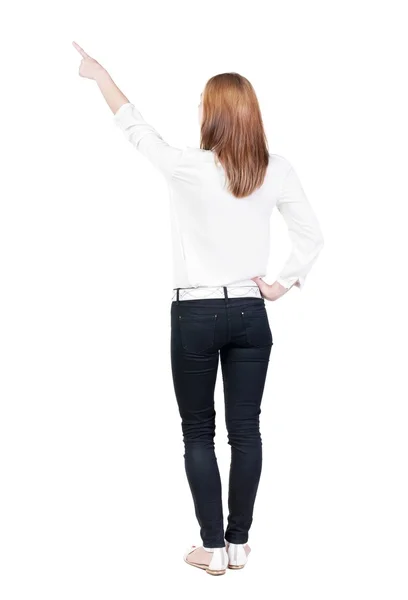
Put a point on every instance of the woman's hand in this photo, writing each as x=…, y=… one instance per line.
x=89, y=67
x=270, y=291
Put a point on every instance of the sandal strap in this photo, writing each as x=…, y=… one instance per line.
x=190, y=550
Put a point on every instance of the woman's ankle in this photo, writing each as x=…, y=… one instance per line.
x=235, y=543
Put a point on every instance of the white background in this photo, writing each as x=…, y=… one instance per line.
x=95, y=502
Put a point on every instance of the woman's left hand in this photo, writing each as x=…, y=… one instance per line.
x=89, y=67
x=270, y=291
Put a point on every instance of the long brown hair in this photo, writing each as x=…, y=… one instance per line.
x=232, y=128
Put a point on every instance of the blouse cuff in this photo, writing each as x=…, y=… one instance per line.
x=288, y=282
x=129, y=119
x=120, y=110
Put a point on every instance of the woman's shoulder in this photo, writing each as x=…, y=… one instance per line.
x=279, y=162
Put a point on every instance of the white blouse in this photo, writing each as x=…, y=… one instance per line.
x=217, y=239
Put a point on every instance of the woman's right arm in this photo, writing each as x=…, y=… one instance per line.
x=142, y=135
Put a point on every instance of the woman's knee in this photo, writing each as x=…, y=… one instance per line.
x=244, y=433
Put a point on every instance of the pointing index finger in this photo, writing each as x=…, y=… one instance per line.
x=80, y=50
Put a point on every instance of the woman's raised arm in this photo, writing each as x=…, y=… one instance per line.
x=139, y=133
x=91, y=69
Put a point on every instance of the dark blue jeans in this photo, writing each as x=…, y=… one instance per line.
x=236, y=332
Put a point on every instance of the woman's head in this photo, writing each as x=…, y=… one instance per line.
x=232, y=127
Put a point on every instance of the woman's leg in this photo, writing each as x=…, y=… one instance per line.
x=244, y=372
x=194, y=377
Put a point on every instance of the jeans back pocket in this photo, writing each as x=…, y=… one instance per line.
x=197, y=332
x=256, y=326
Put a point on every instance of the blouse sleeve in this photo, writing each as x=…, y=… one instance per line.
x=304, y=232
x=146, y=139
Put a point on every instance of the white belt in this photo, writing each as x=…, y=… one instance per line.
x=233, y=291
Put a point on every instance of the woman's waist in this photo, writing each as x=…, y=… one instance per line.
x=234, y=289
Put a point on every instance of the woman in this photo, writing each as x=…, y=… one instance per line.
x=222, y=196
